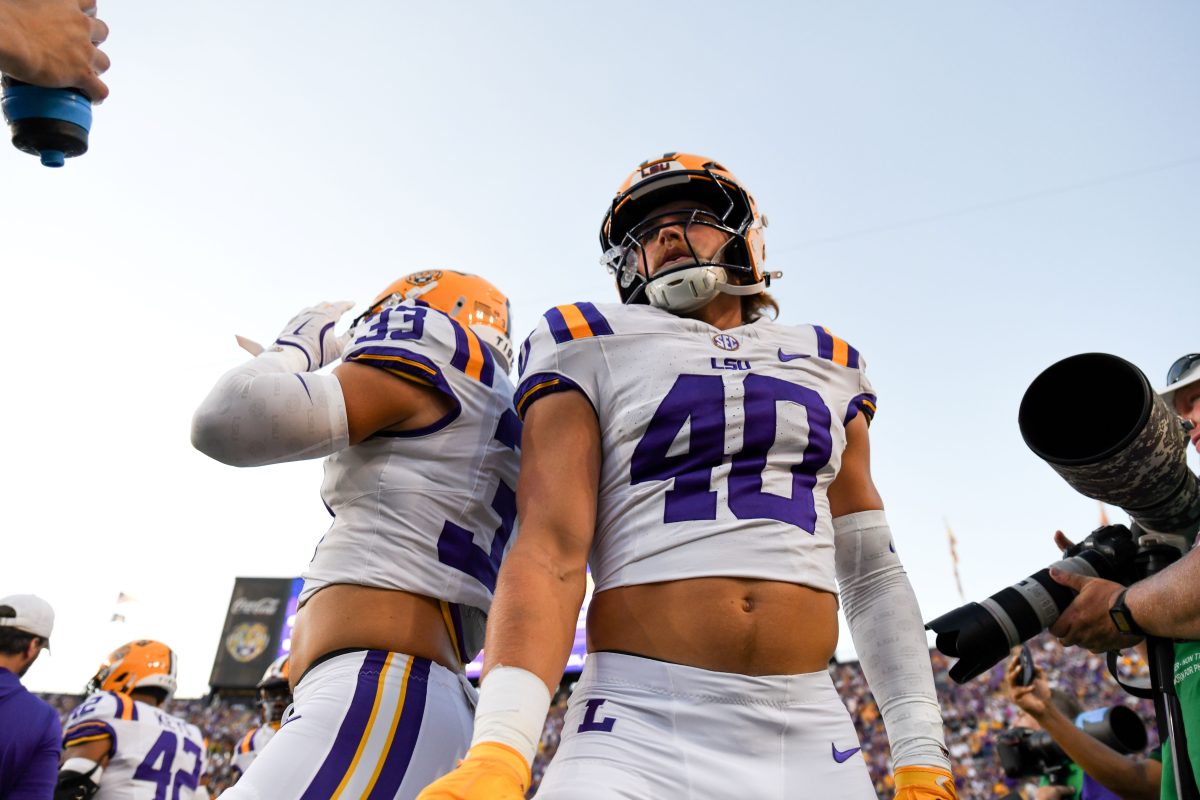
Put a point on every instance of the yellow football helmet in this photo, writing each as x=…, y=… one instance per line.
x=723, y=203
x=274, y=694
x=143, y=664
x=468, y=299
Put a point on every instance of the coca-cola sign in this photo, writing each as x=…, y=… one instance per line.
x=263, y=607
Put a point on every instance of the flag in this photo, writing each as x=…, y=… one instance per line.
x=954, y=560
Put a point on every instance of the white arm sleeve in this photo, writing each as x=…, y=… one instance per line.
x=264, y=412
x=889, y=635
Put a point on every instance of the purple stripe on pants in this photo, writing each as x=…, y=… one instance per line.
x=408, y=728
x=354, y=727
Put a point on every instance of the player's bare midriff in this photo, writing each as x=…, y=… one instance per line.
x=345, y=616
x=738, y=625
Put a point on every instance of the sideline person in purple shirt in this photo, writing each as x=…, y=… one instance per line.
x=30, y=731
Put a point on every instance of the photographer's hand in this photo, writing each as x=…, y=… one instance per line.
x=1086, y=622
x=1033, y=699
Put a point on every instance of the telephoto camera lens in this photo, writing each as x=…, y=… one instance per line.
x=980, y=635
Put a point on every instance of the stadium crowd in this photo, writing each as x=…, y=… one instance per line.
x=975, y=714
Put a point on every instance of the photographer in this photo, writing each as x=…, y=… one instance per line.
x=1099, y=772
x=1165, y=605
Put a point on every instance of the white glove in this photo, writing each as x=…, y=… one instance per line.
x=310, y=333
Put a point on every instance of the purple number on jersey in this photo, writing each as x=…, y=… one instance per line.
x=747, y=500
x=379, y=329
x=164, y=748
x=701, y=399
x=456, y=545
x=189, y=779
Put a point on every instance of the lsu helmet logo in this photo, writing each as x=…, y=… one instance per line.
x=422, y=278
x=726, y=342
x=247, y=641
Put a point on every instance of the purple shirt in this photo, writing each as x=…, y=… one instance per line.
x=30, y=734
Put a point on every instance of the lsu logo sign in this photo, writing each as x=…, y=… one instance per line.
x=247, y=641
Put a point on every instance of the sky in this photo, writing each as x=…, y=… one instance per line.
x=966, y=192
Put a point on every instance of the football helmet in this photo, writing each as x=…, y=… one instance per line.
x=143, y=664
x=721, y=203
x=274, y=694
x=468, y=299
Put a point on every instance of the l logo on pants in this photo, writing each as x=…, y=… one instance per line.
x=589, y=718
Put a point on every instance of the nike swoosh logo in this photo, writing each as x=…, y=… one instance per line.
x=790, y=356
x=302, y=324
x=841, y=755
x=290, y=720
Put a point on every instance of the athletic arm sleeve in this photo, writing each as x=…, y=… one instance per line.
x=889, y=635
x=266, y=412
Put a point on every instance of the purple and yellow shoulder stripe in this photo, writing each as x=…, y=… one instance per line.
x=576, y=321
x=126, y=706
x=92, y=730
x=539, y=385
x=247, y=742
x=834, y=349
x=861, y=402
x=471, y=356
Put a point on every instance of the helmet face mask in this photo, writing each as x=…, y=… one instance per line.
x=469, y=300
x=274, y=693
x=656, y=195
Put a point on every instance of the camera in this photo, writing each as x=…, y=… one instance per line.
x=1123, y=447
x=1025, y=752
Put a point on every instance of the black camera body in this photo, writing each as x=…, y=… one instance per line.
x=1025, y=752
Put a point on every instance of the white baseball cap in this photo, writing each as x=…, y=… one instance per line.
x=1184, y=372
x=27, y=613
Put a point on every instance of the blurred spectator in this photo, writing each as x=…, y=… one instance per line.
x=30, y=731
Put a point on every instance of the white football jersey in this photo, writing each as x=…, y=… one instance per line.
x=152, y=753
x=431, y=511
x=718, y=446
x=251, y=745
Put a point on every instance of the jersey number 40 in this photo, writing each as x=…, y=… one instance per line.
x=701, y=399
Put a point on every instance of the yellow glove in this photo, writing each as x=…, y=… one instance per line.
x=924, y=783
x=491, y=771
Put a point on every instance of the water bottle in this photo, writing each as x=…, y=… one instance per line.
x=50, y=123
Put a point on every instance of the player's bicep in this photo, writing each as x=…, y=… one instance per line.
x=380, y=400
x=853, y=489
x=559, y=481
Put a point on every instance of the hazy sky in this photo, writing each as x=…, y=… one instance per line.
x=966, y=192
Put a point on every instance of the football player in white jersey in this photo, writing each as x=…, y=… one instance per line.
x=274, y=697
x=713, y=467
x=120, y=745
x=421, y=438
